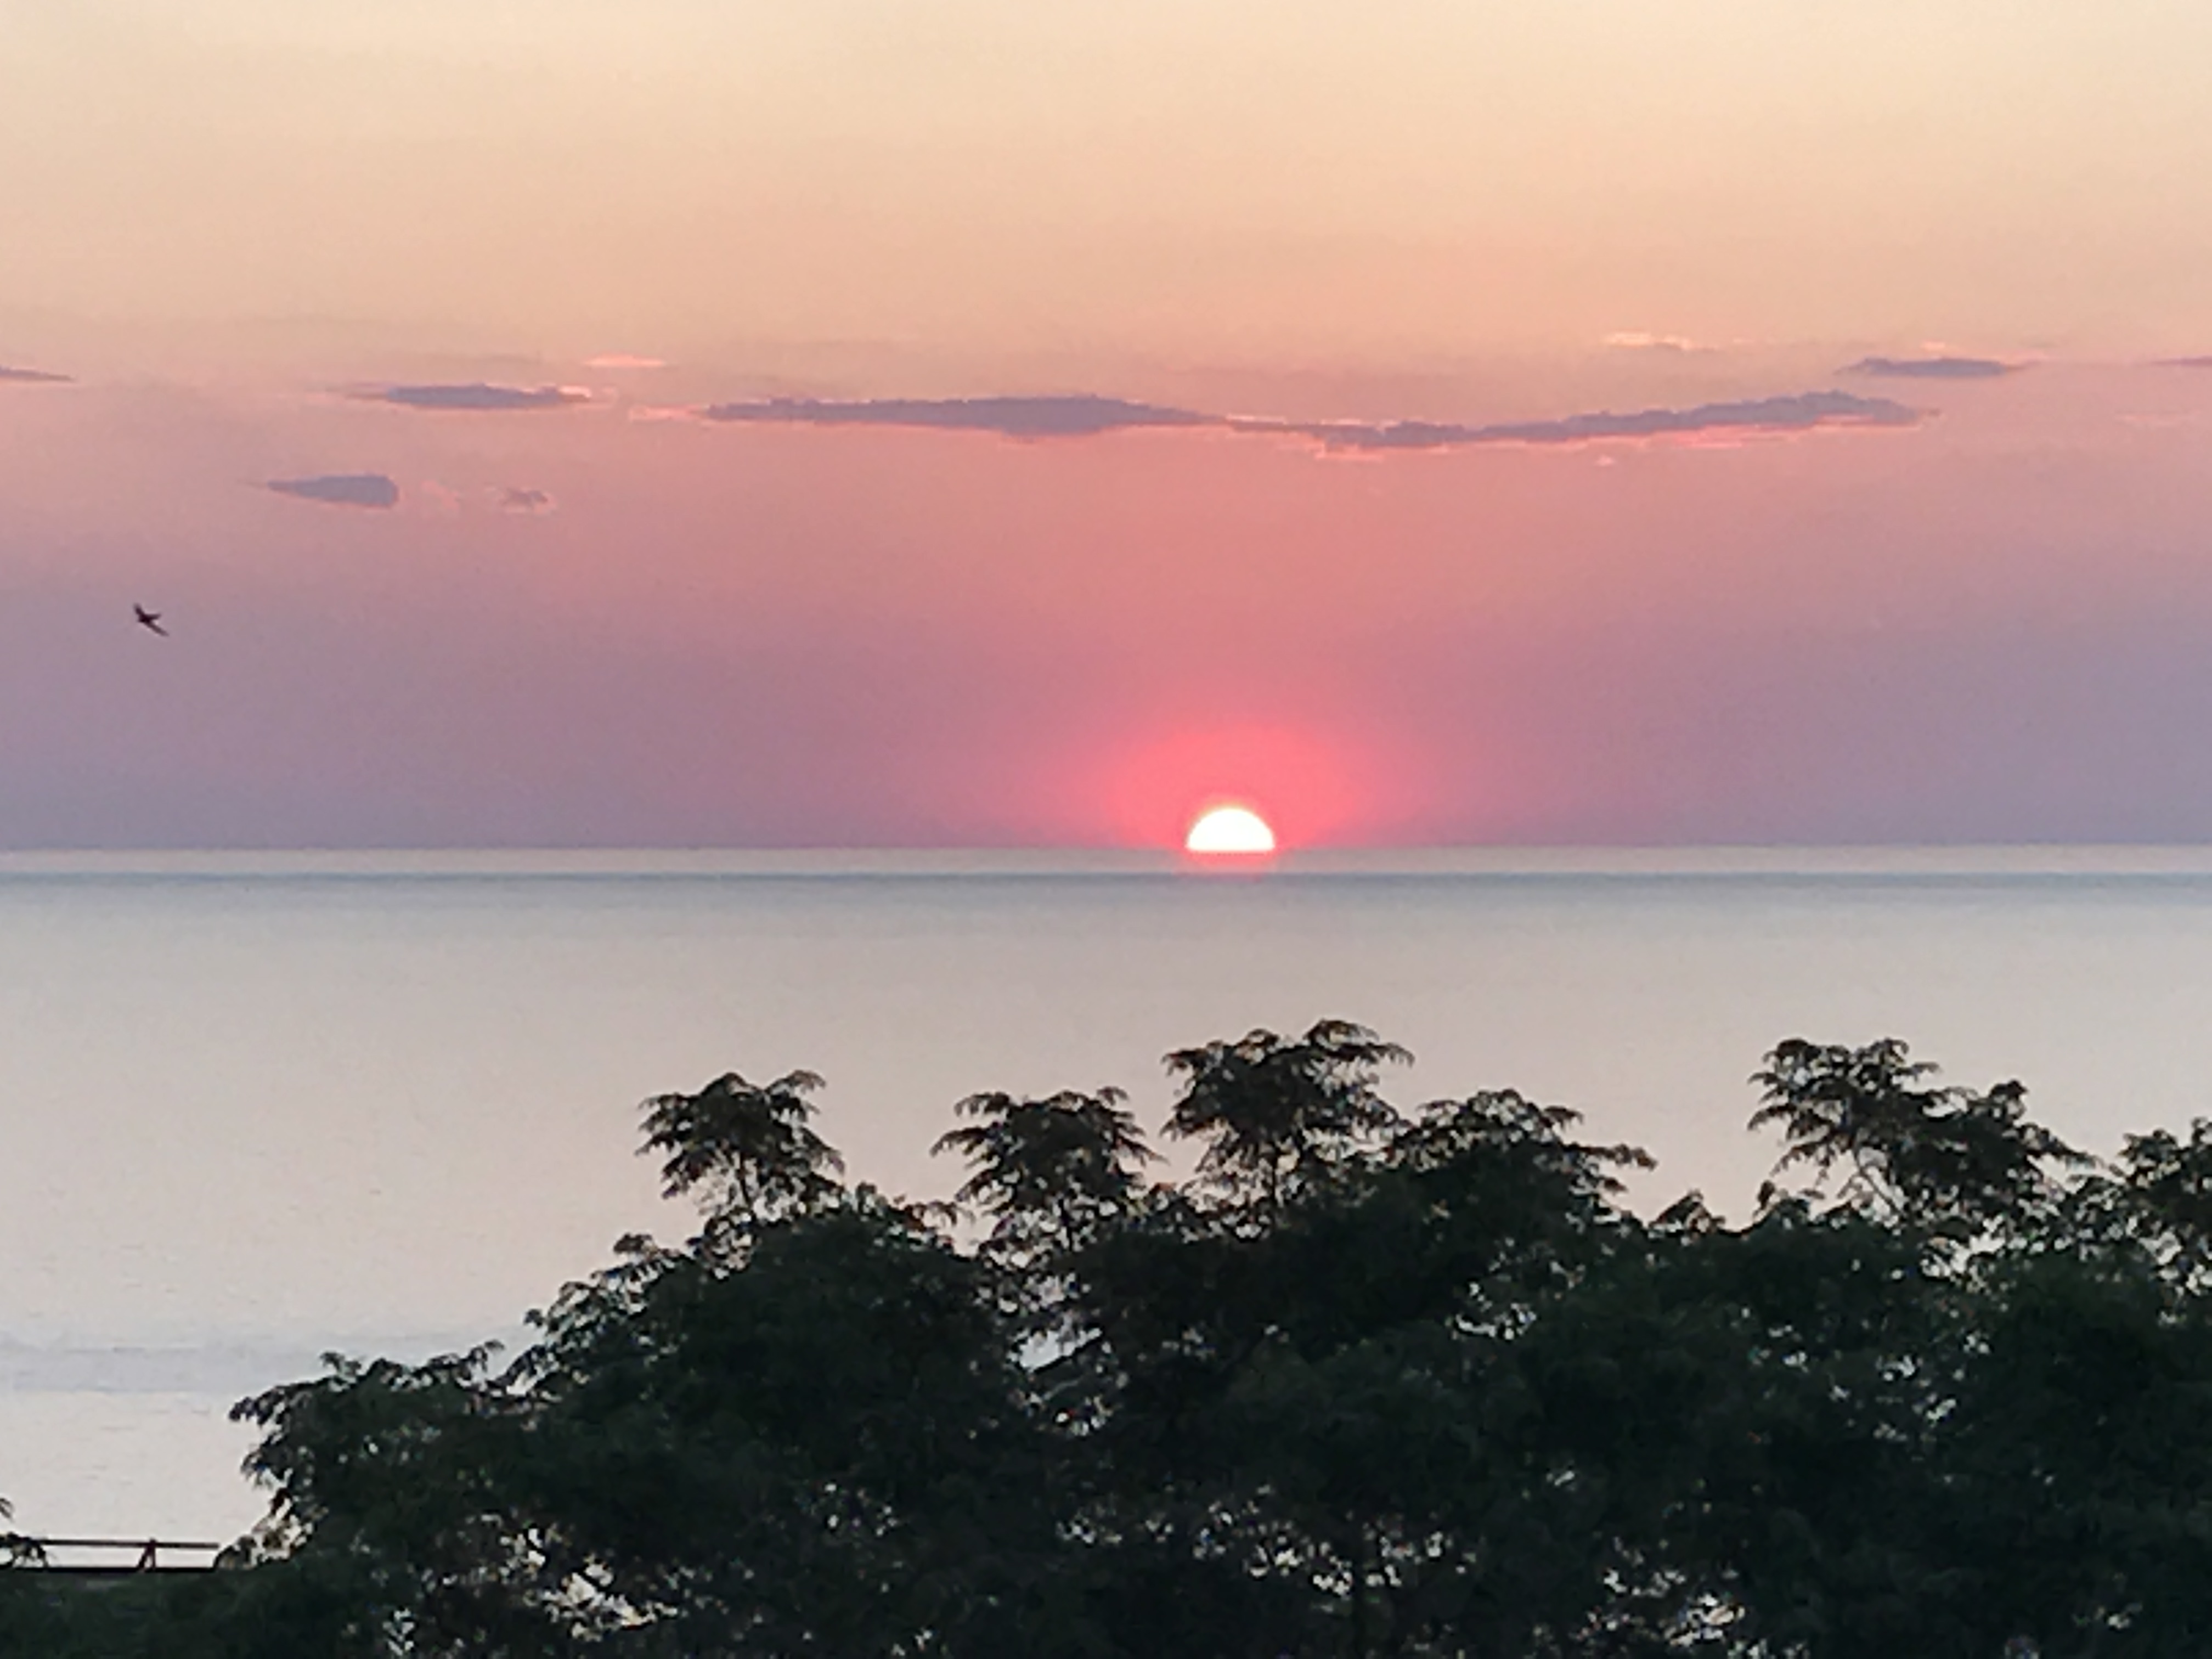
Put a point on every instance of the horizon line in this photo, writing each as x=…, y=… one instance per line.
x=1901, y=859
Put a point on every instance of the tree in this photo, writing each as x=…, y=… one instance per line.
x=743, y=1150
x=1950, y=1160
x=1275, y=1112
x=2163, y=1199
x=1374, y=1381
x=1048, y=1172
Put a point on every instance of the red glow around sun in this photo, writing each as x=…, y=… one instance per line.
x=1156, y=793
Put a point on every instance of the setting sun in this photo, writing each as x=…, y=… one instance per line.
x=1229, y=829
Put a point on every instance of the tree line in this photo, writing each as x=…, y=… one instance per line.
x=1370, y=1379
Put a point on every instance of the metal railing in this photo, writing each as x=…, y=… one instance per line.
x=148, y=1559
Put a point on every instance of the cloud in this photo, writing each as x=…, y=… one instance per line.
x=1804, y=411
x=1637, y=339
x=623, y=360
x=475, y=395
x=1933, y=368
x=1077, y=415
x=1085, y=415
x=513, y=500
x=342, y=489
x=2184, y=362
x=31, y=376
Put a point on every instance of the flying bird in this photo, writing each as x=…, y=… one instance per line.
x=149, y=620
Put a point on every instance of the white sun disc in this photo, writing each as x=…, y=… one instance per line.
x=1229, y=829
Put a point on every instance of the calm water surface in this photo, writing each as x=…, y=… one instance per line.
x=252, y=1108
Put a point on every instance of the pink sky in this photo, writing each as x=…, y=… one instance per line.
x=1710, y=531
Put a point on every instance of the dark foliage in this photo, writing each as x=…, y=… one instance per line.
x=1375, y=1381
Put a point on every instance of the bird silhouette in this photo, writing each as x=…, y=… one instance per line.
x=149, y=620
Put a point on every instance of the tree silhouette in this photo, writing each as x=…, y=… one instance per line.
x=1950, y=1158
x=2164, y=1191
x=1413, y=1383
x=743, y=1150
x=1048, y=1172
x=1275, y=1111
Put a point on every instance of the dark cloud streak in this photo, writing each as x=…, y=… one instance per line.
x=1077, y=415
x=474, y=396
x=1934, y=368
x=1804, y=411
x=32, y=376
x=1084, y=416
x=370, y=489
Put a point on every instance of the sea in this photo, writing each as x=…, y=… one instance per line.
x=258, y=1108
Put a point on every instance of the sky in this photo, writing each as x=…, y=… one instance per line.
x=720, y=423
